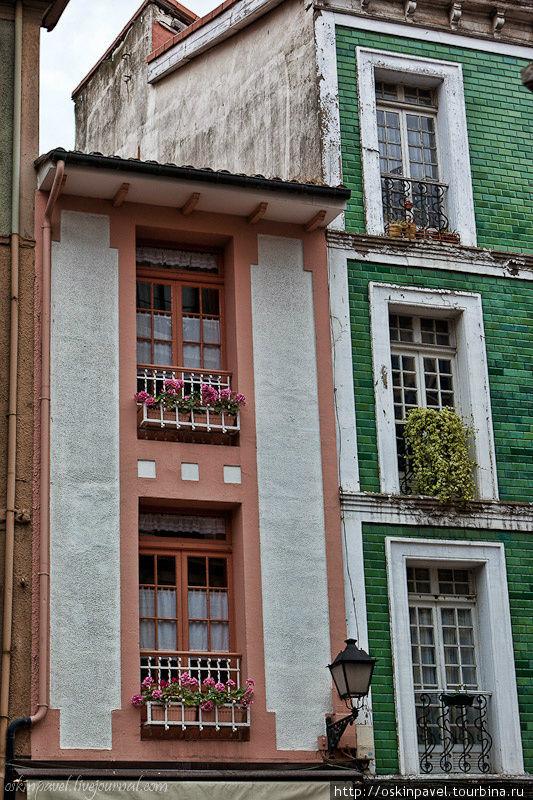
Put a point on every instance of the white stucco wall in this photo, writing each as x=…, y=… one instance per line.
x=84, y=483
x=291, y=506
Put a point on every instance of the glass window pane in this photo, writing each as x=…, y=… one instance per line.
x=197, y=600
x=429, y=676
x=144, y=352
x=211, y=357
x=210, y=301
x=144, y=324
x=469, y=676
x=190, y=299
x=166, y=603
x=217, y=572
x=146, y=569
x=218, y=605
x=220, y=636
x=191, y=329
x=163, y=326
x=162, y=354
x=466, y=636
x=166, y=570
x=143, y=295
x=192, y=355
x=452, y=676
x=166, y=636
x=198, y=636
x=147, y=634
x=464, y=617
x=448, y=616
x=162, y=297
x=196, y=571
x=146, y=602
x=211, y=330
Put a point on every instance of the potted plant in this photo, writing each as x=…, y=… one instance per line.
x=185, y=699
x=437, y=443
x=192, y=407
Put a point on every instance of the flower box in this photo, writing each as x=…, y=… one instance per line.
x=184, y=723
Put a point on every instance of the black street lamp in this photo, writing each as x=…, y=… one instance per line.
x=352, y=673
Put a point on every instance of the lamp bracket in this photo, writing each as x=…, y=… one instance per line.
x=335, y=730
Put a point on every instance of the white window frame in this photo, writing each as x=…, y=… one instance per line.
x=452, y=133
x=497, y=668
x=471, y=389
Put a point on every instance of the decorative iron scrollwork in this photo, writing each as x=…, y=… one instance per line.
x=419, y=202
x=453, y=734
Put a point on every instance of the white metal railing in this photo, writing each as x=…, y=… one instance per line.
x=151, y=379
x=219, y=666
x=168, y=715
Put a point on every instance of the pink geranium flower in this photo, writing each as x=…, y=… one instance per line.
x=144, y=397
x=219, y=687
x=147, y=682
x=157, y=694
x=209, y=682
x=250, y=682
x=137, y=700
x=230, y=684
x=172, y=385
x=163, y=684
x=241, y=399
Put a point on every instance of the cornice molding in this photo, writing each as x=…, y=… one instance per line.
x=427, y=511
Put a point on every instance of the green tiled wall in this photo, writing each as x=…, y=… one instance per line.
x=519, y=557
x=500, y=129
x=507, y=305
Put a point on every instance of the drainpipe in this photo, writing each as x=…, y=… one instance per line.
x=7, y=621
x=44, y=499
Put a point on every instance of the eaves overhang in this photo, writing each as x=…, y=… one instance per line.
x=95, y=176
x=53, y=13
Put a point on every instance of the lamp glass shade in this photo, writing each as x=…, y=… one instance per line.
x=352, y=671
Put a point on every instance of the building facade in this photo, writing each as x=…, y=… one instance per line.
x=20, y=25
x=419, y=109
x=186, y=342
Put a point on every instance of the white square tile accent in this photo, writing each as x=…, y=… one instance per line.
x=189, y=472
x=146, y=469
x=232, y=475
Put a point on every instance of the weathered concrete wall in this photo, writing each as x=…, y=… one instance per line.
x=247, y=105
x=111, y=111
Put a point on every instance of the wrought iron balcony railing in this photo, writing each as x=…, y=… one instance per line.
x=416, y=202
x=166, y=666
x=176, y=715
x=453, y=731
x=151, y=378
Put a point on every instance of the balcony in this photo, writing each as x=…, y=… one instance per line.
x=201, y=423
x=453, y=732
x=415, y=210
x=176, y=720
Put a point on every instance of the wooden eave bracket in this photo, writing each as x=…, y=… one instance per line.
x=120, y=195
x=188, y=207
x=257, y=213
x=315, y=221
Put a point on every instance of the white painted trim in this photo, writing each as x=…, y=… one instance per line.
x=207, y=36
x=472, y=390
x=328, y=100
x=427, y=35
x=405, y=510
x=343, y=360
x=497, y=669
x=422, y=255
x=454, y=156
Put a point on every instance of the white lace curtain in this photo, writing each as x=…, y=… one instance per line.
x=182, y=259
x=177, y=523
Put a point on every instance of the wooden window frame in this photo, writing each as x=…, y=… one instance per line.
x=176, y=279
x=181, y=549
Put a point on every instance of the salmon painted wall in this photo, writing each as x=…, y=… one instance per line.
x=286, y=641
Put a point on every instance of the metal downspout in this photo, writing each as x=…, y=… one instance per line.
x=7, y=621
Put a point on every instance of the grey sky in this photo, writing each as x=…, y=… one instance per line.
x=83, y=34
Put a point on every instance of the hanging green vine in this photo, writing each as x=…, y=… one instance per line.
x=437, y=447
